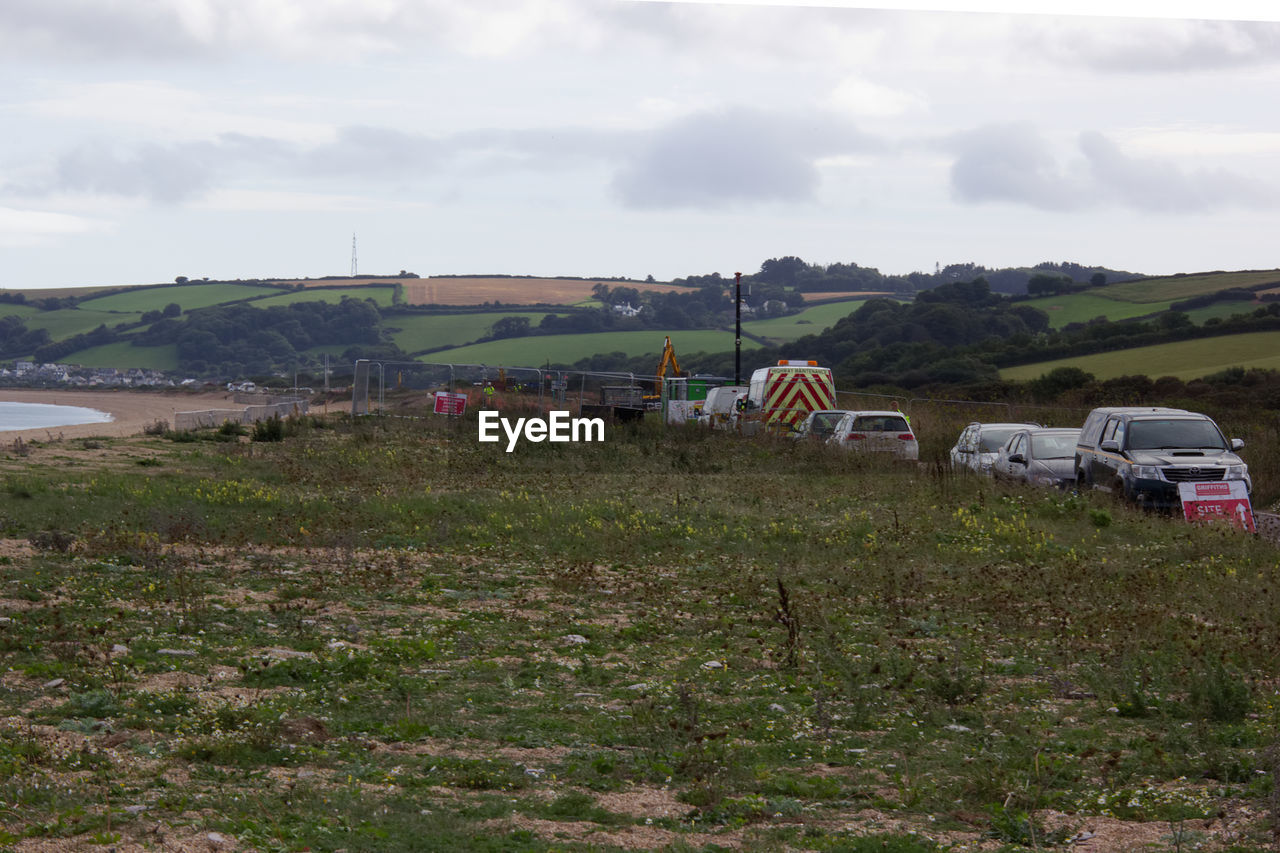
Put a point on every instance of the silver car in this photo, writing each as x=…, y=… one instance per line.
x=1041, y=457
x=978, y=445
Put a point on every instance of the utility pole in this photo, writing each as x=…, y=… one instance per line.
x=737, y=329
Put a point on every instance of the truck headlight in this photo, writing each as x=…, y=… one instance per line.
x=1237, y=472
x=1145, y=472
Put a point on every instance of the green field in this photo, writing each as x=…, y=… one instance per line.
x=1221, y=311
x=123, y=355
x=810, y=321
x=417, y=332
x=1176, y=287
x=1184, y=359
x=382, y=295
x=567, y=349
x=24, y=311
x=1083, y=307
x=66, y=322
x=189, y=296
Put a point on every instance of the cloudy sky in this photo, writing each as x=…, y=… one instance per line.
x=146, y=139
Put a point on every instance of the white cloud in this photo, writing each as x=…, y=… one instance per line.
x=1016, y=163
x=23, y=228
x=863, y=98
x=166, y=111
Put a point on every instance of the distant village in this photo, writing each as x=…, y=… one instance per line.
x=29, y=373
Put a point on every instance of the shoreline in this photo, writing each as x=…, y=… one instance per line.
x=131, y=411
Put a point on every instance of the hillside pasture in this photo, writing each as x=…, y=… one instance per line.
x=1183, y=359
x=810, y=321
x=23, y=311
x=382, y=294
x=1082, y=307
x=417, y=332
x=189, y=296
x=124, y=355
x=568, y=349
x=1222, y=310
x=1175, y=287
x=845, y=296
x=66, y=322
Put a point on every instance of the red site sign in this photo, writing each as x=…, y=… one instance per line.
x=1222, y=501
x=450, y=404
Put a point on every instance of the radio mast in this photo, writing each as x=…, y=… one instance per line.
x=353, y=253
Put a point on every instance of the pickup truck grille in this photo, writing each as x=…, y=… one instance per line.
x=1194, y=474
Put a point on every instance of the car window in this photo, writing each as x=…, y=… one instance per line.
x=1175, y=432
x=1016, y=447
x=1109, y=431
x=993, y=439
x=826, y=421
x=1053, y=446
x=880, y=423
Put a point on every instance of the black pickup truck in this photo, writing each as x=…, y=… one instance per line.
x=1144, y=453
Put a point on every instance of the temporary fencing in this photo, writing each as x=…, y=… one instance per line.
x=208, y=418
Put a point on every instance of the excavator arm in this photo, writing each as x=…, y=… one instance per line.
x=668, y=360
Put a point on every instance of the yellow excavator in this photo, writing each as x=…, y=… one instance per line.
x=669, y=361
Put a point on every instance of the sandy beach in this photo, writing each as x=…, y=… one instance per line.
x=131, y=411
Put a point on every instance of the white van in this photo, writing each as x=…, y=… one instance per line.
x=720, y=406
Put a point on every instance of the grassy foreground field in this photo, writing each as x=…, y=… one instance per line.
x=1183, y=359
x=384, y=635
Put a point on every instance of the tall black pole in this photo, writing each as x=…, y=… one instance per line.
x=737, y=329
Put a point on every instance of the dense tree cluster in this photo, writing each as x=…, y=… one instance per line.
x=240, y=339
x=16, y=340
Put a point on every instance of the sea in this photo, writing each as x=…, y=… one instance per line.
x=15, y=416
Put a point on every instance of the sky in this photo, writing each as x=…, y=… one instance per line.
x=234, y=139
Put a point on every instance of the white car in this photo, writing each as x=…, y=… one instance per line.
x=978, y=445
x=876, y=432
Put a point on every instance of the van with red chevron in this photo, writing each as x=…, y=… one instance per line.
x=782, y=395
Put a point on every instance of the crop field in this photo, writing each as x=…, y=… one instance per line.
x=568, y=349
x=382, y=295
x=511, y=291
x=383, y=635
x=810, y=321
x=189, y=296
x=1183, y=359
x=1083, y=307
x=417, y=332
x=1174, y=288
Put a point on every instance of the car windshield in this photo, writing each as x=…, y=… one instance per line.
x=1174, y=432
x=880, y=423
x=825, y=421
x=1062, y=446
x=994, y=438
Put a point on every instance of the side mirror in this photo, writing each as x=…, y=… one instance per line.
x=1110, y=445
x=1018, y=458
x=1237, y=443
